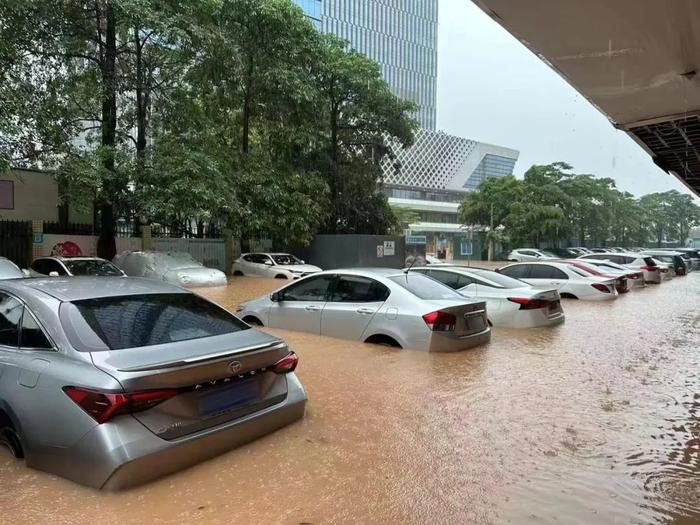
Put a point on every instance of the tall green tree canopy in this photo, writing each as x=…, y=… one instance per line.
x=236, y=112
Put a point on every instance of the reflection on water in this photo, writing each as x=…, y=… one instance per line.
x=594, y=421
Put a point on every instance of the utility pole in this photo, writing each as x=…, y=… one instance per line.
x=491, y=238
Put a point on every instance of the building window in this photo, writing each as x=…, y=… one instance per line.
x=7, y=195
x=490, y=166
x=466, y=248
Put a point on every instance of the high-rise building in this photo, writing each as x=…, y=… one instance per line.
x=433, y=176
x=400, y=35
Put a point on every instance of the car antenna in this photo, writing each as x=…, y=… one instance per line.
x=415, y=258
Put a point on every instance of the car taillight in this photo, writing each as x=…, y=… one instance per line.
x=285, y=365
x=103, y=406
x=601, y=287
x=650, y=268
x=528, y=304
x=440, y=321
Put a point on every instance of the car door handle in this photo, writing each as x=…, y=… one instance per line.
x=365, y=311
x=312, y=308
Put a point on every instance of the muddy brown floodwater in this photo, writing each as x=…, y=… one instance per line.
x=594, y=421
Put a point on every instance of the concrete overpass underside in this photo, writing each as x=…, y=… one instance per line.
x=637, y=61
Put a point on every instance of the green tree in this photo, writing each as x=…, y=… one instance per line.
x=496, y=204
x=363, y=119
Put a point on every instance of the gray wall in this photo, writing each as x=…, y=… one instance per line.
x=352, y=251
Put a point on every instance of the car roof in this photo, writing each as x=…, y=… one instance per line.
x=78, y=288
x=78, y=258
x=380, y=272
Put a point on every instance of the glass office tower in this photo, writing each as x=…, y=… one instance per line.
x=401, y=35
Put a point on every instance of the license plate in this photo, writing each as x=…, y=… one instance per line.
x=474, y=322
x=224, y=399
x=553, y=307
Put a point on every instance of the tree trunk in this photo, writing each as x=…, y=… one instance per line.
x=141, y=106
x=335, y=177
x=106, y=246
x=247, y=101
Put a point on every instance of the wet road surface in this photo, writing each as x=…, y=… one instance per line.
x=593, y=421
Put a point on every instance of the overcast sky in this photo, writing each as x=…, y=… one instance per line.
x=493, y=89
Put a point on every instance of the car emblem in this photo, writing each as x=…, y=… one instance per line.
x=235, y=367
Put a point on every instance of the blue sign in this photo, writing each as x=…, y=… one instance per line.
x=416, y=239
x=466, y=248
x=38, y=238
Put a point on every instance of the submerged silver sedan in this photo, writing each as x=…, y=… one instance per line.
x=377, y=305
x=111, y=382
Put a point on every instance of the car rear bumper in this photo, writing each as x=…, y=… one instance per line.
x=123, y=453
x=529, y=319
x=446, y=342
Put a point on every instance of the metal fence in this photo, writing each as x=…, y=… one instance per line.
x=352, y=251
x=16, y=242
x=211, y=252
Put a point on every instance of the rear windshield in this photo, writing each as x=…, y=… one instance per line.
x=499, y=280
x=425, y=287
x=144, y=320
x=91, y=267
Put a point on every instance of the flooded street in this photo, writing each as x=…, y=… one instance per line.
x=593, y=421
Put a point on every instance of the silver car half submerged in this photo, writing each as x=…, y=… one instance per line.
x=378, y=305
x=111, y=382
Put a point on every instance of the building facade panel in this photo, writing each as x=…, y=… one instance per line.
x=401, y=35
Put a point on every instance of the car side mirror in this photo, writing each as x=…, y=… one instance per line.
x=53, y=274
x=276, y=297
x=26, y=272
x=268, y=263
x=303, y=262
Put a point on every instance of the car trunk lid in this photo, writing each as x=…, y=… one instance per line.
x=215, y=379
x=469, y=318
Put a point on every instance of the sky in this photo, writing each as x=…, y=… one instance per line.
x=492, y=89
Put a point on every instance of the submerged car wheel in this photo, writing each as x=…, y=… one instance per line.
x=253, y=321
x=382, y=340
x=10, y=439
x=238, y=273
x=568, y=296
x=280, y=276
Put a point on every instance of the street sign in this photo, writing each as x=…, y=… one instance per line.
x=389, y=248
x=416, y=239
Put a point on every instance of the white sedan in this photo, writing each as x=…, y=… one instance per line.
x=571, y=282
x=375, y=305
x=174, y=267
x=509, y=302
x=272, y=266
x=529, y=254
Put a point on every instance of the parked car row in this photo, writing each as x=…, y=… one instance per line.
x=112, y=374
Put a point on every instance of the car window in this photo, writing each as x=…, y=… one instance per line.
x=285, y=259
x=92, y=267
x=497, y=280
x=31, y=335
x=310, y=289
x=425, y=287
x=356, y=289
x=133, y=321
x=40, y=266
x=261, y=258
x=519, y=271
x=249, y=258
x=10, y=318
x=528, y=252
x=451, y=279
x=543, y=271
x=51, y=265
